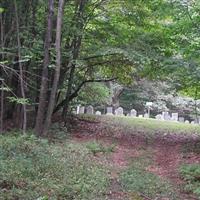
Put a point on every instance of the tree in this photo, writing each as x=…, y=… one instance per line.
x=45, y=78
x=57, y=69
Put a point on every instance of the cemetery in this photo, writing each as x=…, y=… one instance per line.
x=100, y=100
x=166, y=116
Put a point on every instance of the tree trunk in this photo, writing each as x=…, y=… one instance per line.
x=22, y=87
x=2, y=106
x=44, y=83
x=58, y=66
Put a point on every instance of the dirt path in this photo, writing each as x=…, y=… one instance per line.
x=166, y=156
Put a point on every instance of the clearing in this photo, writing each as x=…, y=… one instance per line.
x=146, y=156
x=104, y=158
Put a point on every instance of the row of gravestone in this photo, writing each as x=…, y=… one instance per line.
x=133, y=113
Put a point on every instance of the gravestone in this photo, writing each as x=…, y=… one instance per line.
x=140, y=116
x=146, y=115
x=187, y=122
x=97, y=113
x=82, y=110
x=119, y=111
x=181, y=119
x=90, y=110
x=78, y=109
x=174, y=117
x=159, y=117
x=165, y=116
x=133, y=113
x=192, y=122
x=109, y=111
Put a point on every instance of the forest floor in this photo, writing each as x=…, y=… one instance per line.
x=144, y=164
x=103, y=158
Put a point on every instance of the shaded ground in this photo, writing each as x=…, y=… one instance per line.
x=165, y=150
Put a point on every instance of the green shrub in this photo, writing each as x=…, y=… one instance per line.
x=191, y=174
x=96, y=147
x=31, y=168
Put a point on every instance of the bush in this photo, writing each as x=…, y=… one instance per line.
x=31, y=168
x=191, y=174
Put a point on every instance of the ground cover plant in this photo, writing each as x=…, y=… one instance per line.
x=31, y=168
x=191, y=173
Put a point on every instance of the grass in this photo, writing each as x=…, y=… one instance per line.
x=96, y=147
x=191, y=174
x=150, y=126
x=31, y=168
x=139, y=182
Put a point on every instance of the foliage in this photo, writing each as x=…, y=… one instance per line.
x=191, y=174
x=31, y=168
x=136, y=179
x=94, y=94
x=96, y=147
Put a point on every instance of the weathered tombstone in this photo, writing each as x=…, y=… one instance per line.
x=109, y=111
x=78, y=109
x=119, y=111
x=192, y=122
x=181, y=119
x=159, y=117
x=146, y=115
x=82, y=110
x=97, y=113
x=174, y=117
x=133, y=113
x=140, y=116
x=187, y=122
x=165, y=116
x=90, y=110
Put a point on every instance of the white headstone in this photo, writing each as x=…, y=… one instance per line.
x=82, y=110
x=165, y=116
x=133, y=113
x=90, y=110
x=97, y=113
x=78, y=109
x=146, y=115
x=140, y=116
x=192, y=122
x=159, y=116
x=174, y=117
x=181, y=119
x=187, y=122
x=119, y=111
x=109, y=111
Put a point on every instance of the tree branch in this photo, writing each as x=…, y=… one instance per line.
x=75, y=93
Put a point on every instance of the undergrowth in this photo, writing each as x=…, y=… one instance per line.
x=191, y=174
x=96, y=147
x=31, y=168
x=136, y=180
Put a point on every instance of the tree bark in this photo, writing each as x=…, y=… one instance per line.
x=2, y=106
x=58, y=66
x=22, y=87
x=44, y=82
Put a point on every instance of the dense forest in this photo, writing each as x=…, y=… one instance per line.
x=56, y=55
